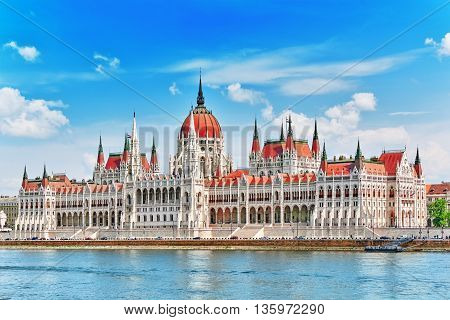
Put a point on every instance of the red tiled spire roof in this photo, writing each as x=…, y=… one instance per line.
x=25, y=178
x=324, y=161
x=100, y=156
x=126, y=149
x=255, y=144
x=45, y=178
x=417, y=164
x=315, y=148
x=154, y=157
x=290, y=138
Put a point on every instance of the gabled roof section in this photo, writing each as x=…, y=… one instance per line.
x=437, y=189
x=113, y=162
x=391, y=160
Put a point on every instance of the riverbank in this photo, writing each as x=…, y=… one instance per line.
x=212, y=244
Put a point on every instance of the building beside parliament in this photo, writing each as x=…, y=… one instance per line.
x=288, y=182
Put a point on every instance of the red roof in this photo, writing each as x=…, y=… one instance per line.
x=339, y=168
x=273, y=149
x=144, y=162
x=441, y=188
x=113, y=162
x=205, y=124
x=391, y=159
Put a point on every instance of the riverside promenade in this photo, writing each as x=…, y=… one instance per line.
x=213, y=244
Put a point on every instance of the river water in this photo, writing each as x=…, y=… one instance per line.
x=204, y=274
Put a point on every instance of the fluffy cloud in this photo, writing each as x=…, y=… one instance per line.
x=28, y=53
x=112, y=62
x=442, y=47
x=340, y=127
x=267, y=112
x=174, y=90
x=346, y=116
x=28, y=118
x=239, y=94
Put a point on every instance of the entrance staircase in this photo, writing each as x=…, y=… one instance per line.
x=248, y=232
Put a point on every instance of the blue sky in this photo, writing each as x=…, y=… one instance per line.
x=258, y=58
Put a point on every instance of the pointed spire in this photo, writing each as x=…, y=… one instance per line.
x=200, y=98
x=290, y=138
x=315, y=136
x=45, y=177
x=126, y=146
x=324, y=161
x=358, y=157
x=25, y=178
x=154, y=157
x=25, y=174
x=315, y=144
x=255, y=131
x=126, y=149
x=358, y=154
x=282, y=131
x=133, y=129
x=417, y=157
x=100, y=156
x=324, y=153
x=417, y=165
x=255, y=144
x=191, y=124
x=290, y=132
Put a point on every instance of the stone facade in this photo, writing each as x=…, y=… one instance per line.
x=287, y=183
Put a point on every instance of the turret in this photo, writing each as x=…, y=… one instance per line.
x=324, y=161
x=290, y=136
x=255, y=144
x=418, y=165
x=45, y=177
x=315, y=143
x=126, y=150
x=359, y=157
x=154, y=158
x=100, y=155
x=25, y=178
x=200, y=98
x=282, y=132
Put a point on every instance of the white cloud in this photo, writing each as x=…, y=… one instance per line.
x=442, y=47
x=89, y=160
x=346, y=116
x=267, y=112
x=407, y=113
x=292, y=69
x=113, y=62
x=26, y=52
x=239, y=94
x=28, y=118
x=174, y=90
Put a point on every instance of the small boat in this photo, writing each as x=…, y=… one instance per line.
x=387, y=248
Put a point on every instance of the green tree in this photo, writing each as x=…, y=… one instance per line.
x=439, y=213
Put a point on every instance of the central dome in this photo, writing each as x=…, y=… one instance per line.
x=206, y=125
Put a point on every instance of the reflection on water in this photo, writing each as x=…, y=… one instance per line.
x=203, y=274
